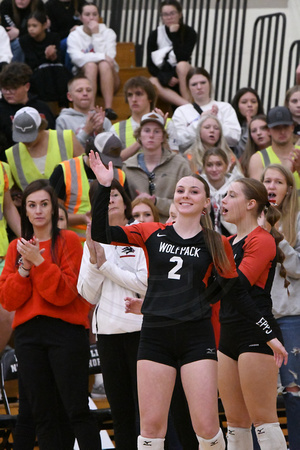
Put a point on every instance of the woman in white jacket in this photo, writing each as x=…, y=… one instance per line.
x=186, y=117
x=280, y=185
x=92, y=47
x=108, y=274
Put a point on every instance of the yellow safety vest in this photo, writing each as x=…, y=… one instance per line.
x=268, y=156
x=22, y=166
x=77, y=190
x=3, y=234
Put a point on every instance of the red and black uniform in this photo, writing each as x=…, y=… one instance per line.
x=179, y=273
x=255, y=258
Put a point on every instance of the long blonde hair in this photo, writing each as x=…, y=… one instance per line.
x=196, y=151
x=289, y=207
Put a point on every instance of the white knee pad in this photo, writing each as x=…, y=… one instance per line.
x=216, y=443
x=239, y=438
x=270, y=436
x=148, y=443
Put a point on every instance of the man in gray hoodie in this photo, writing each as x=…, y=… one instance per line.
x=84, y=120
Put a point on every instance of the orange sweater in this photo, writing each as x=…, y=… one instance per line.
x=50, y=290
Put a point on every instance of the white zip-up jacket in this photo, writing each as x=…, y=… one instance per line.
x=123, y=274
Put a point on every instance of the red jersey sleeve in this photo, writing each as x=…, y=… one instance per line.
x=259, y=252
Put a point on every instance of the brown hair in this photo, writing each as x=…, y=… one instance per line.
x=214, y=151
x=198, y=71
x=137, y=135
x=254, y=189
x=143, y=83
x=289, y=207
x=251, y=147
x=148, y=202
x=14, y=75
x=213, y=239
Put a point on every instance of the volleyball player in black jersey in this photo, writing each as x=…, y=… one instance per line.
x=176, y=327
x=246, y=368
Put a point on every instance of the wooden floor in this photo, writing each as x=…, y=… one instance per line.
x=12, y=391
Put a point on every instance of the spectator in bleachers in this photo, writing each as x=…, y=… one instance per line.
x=85, y=120
x=281, y=188
x=92, y=47
x=140, y=95
x=154, y=172
x=38, y=151
x=144, y=210
x=169, y=52
x=282, y=150
x=15, y=85
x=209, y=134
x=215, y=167
x=186, y=118
x=5, y=50
x=292, y=101
x=14, y=15
x=246, y=104
x=63, y=17
x=71, y=180
x=41, y=49
x=258, y=139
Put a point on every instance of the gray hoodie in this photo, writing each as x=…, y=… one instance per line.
x=69, y=119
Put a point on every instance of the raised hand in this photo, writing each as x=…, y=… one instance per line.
x=104, y=175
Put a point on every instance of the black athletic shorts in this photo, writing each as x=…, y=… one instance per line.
x=177, y=343
x=240, y=337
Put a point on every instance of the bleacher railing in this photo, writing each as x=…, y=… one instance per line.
x=221, y=26
x=266, y=59
x=294, y=61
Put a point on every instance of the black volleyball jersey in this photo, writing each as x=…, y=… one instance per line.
x=178, y=269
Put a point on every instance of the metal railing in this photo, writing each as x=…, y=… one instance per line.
x=294, y=61
x=265, y=68
x=220, y=25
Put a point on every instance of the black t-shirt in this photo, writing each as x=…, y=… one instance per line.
x=8, y=19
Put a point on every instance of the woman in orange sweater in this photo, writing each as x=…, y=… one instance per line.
x=39, y=282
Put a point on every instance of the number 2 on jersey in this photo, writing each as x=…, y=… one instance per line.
x=172, y=273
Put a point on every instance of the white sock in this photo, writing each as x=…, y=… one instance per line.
x=216, y=443
x=153, y=444
x=270, y=436
x=239, y=438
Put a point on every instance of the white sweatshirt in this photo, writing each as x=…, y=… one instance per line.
x=186, y=120
x=123, y=274
x=84, y=48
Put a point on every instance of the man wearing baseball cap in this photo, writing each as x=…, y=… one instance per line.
x=15, y=89
x=154, y=172
x=71, y=179
x=38, y=151
x=282, y=150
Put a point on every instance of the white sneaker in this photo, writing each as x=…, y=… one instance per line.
x=98, y=391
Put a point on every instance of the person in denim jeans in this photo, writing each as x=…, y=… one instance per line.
x=280, y=184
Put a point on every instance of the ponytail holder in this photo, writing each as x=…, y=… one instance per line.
x=267, y=205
